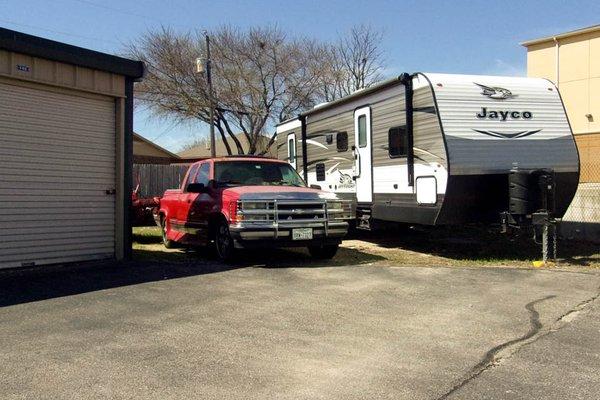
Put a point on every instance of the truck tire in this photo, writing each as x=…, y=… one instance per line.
x=326, y=252
x=169, y=244
x=224, y=246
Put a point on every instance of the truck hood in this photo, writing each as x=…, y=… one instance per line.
x=277, y=193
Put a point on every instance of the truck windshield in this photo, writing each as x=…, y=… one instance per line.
x=256, y=173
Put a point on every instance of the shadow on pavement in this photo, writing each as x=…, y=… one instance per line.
x=150, y=249
x=477, y=243
x=267, y=258
x=46, y=282
x=149, y=264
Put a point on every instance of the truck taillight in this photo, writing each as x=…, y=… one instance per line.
x=235, y=215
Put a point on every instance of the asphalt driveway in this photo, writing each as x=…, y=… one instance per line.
x=345, y=332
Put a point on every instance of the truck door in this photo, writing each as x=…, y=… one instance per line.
x=362, y=155
x=202, y=203
x=185, y=198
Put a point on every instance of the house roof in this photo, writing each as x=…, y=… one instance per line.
x=589, y=29
x=44, y=48
x=203, y=150
x=155, y=149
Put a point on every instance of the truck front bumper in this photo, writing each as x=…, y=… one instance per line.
x=280, y=235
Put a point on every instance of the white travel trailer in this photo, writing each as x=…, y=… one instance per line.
x=441, y=149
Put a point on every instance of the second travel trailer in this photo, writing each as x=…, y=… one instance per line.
x=441, y=149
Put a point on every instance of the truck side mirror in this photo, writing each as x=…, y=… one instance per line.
x=197, y=188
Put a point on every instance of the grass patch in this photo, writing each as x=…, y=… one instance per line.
x=148, y=246
x=146, y=234
x=470, y=246
x=439, y=246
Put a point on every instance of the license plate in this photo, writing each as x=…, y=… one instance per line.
x=302, y=234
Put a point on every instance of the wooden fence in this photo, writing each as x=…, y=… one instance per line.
x=154, y=179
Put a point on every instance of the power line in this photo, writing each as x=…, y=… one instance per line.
x=102, y=6
x=59, y=32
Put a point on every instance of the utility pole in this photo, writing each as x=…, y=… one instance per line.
x=213, y=150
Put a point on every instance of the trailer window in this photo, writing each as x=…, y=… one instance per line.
x=320, y=171
x=291, y=149
x=398, y=142
x=362, y=131
x=342, y=142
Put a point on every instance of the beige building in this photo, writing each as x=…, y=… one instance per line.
x=572, y=61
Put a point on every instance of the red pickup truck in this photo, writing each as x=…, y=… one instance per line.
x=241, y=202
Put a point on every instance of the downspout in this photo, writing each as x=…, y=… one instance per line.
x=557, y=60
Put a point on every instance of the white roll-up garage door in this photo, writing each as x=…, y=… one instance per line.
x=57, y=171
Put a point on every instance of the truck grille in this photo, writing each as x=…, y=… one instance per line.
x=314, y=213
x=282, y=212
x=301, y=211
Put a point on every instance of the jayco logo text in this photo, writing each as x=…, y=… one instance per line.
x=503, y=115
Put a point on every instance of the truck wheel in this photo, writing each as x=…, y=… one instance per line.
x=223, y=242
x=323, y=252
x=169, y=244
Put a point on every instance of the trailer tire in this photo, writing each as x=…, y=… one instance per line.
x=325, y=252
x=169, y=244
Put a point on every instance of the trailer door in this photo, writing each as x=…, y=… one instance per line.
x=362, y=155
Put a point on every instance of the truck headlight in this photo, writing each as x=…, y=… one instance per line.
x=339, y=209
x=256, y=211
x=255, y=205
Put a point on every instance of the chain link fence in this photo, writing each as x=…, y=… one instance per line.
x=582, y=220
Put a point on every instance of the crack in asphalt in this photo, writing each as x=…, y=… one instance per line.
x=573, y=312
x=490, y=358
x=505, y=350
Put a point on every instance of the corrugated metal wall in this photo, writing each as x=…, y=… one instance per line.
x=317, y=148
x=387, y=114
x=57, y=160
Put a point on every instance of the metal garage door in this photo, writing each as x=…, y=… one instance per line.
x=57, y=161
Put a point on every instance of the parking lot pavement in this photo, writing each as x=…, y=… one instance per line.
x=561, y=365
x=341, y=332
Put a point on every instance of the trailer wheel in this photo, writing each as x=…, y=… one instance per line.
x=326, y=252
x=224, y=242
x=169, y=244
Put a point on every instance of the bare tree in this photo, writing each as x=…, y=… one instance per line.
x=260, y=78
x=354, y=62
x=194, y=143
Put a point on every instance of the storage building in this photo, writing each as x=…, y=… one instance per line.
x=66, y=124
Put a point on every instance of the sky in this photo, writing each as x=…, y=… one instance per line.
x=460, y=36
